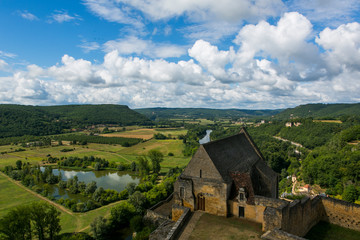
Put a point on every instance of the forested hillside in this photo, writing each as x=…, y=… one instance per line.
x=19, y=120
x=194, y=113
x=321, y=111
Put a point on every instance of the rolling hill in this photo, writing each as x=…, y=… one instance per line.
x=19, y=120
x=321, y=111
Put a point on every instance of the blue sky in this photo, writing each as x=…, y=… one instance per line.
x=218, y=54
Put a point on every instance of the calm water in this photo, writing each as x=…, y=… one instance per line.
x=106, y=178
x=206, y=139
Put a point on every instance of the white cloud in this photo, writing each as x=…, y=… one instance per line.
x=226, y=10
x=342, y=46
x=286, y=43
x=210, y=19
x=89, y=46
x=329, y=12
x=113, y=11
x=7, y=54
x=148, y=48
x=27, y=15
x=213, y=60
x=63, y=16
x=3, y=65
x=269, y=66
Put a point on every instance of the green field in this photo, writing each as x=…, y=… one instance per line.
x=112, y=153
x=13, y=195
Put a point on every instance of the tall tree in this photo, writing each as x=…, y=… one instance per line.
x=45, y=219
x=156, y=158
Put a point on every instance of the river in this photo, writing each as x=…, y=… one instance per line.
x=206, y=139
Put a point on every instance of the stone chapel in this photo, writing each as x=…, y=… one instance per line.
x=224, y=176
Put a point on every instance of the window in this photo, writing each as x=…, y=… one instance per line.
x=241, y=197
x=182, y=192
x=200, y=173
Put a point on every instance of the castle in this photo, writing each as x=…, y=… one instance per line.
x=229, y=177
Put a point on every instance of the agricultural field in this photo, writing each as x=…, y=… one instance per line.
x=328, y=121
x=111, y=152
x=147, y=133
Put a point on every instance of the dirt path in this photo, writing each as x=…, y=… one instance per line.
x=58, y=206
x=285, y=140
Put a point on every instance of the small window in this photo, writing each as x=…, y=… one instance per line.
x=200, y=173
x=182, y=192
x=241, y=197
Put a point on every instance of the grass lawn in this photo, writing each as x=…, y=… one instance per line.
x=215, y=227
x=324, y=230
x=12, y=196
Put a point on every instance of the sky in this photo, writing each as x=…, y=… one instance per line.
x=248, y=54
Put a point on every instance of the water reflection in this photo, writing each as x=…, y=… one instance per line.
x=106, y=178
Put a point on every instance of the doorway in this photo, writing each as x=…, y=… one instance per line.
x=201, y=202
x=241, y=212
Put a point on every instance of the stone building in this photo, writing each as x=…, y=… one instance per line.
x=223, y=178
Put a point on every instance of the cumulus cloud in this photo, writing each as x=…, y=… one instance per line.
x=270, y=66
x=148, y=48
x=213, y=60
x=342, y=46
x=286, y=43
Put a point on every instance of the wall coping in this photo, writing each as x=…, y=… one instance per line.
x=175, y=230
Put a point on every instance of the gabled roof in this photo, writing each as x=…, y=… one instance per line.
x=234, y=153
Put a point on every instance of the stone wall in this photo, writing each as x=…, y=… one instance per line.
x=180, y=223
x=272, y=218
x=215, y=194
x=300, y=216
x=341, y=213
x=252, y=212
